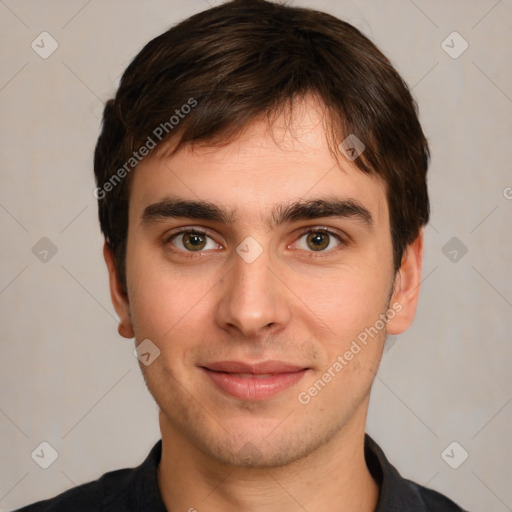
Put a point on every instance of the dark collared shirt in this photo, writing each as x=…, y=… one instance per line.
x=136, y=490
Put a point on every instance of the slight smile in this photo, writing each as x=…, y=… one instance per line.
x=256, y=382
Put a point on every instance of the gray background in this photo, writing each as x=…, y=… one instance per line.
x=68, y=378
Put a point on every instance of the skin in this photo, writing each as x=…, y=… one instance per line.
x=293, y=303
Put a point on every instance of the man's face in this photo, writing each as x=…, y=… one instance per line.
x=246, y=326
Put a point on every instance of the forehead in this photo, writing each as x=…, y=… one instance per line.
x=264, y=166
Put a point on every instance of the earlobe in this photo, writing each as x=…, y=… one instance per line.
x=407, y=287
x=119, y=298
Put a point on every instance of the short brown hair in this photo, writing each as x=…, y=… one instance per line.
x=248, y=58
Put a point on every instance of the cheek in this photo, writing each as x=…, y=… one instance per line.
x=347, y=299
x=165, y=300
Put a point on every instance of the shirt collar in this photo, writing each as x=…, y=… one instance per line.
x=396, y=493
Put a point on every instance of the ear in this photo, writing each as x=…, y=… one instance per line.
x=407, y=287
x=119, y=299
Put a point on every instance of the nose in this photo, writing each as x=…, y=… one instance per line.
x=253, y=298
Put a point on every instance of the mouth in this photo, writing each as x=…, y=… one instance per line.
x=255, y=382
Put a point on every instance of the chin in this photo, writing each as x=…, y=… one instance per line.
x=257, y=445
x=259, y=456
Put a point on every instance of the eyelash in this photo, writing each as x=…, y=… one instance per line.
x=186, y=254
x=326, y=231
x=311, y=254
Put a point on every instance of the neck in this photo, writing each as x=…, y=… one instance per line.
x=335, y=474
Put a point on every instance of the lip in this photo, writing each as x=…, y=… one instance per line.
x=253, y=381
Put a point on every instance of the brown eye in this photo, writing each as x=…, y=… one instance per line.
x=318, y=241
x=192, y=241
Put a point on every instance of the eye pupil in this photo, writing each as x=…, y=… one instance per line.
x=194, y=241
x=319, y=240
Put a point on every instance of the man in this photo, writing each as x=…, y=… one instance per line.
x=261, y=180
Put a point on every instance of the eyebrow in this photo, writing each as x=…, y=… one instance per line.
x=281, y=214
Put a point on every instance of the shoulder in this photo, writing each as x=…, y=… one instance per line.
x=398, y=493
x=434, y=500
x=122, y=490
x=88, y=497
